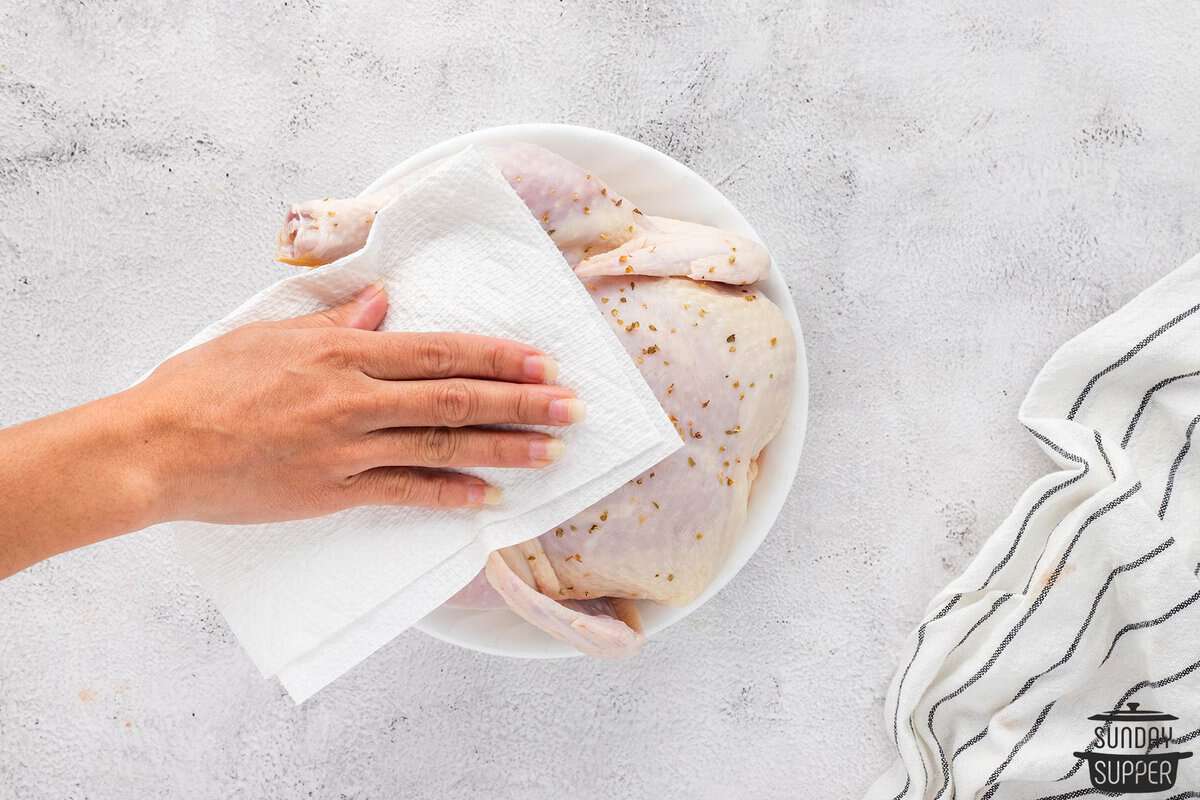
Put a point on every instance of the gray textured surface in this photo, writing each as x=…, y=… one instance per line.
x=952, y=192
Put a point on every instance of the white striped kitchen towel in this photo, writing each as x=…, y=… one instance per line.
x=1019, y=681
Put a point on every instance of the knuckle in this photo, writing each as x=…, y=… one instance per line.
x=440, y=492
x=403, y=486
x=435, y=356
x=524, y=408
x=331, y=349
x=455, y=402
x=339, y=410
x=498, y=450
x=392, y=487
x=496, y=360
x=438, y=446
x=329, y=316
x=344, y=404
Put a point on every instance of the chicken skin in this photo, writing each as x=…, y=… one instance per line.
x=719, y=356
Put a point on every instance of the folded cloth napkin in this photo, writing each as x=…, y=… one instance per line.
x=1084, y=601
x=457, y=251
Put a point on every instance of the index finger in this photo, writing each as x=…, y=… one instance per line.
x=432, y=356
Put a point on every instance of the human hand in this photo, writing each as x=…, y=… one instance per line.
x=300, y=418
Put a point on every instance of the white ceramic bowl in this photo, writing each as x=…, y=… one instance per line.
x=660, y=185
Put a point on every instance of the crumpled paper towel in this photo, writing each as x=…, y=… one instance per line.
x=458, y=251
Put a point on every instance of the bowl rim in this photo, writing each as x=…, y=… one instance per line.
x=796, y=421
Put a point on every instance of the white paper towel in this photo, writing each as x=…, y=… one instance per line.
x=458, y=251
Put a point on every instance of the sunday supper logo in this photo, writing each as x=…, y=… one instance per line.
x=1129, y=751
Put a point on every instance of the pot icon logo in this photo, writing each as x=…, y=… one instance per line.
x=1131, y=752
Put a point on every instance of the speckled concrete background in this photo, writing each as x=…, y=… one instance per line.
x=952, y=192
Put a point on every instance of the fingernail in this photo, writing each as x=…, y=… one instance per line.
x=569, y=410
x=369, y=292
x=368, y=307
x=541, y=368
x=546, y=451
x=483, y=495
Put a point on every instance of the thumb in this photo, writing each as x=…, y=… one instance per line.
x=365, y=311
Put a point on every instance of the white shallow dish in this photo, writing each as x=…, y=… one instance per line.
x=659, y=185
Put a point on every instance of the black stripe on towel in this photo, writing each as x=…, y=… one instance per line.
x=1149, y=623
x=1001, y=600
x=1137, y=348
x=1183, y=451
x=1040, y=501
x=920, y=641
x=900, y=689
x=1146, y=401
x=907, y=777
x=995, y=776
x=1104, y=455
x=1187, y=737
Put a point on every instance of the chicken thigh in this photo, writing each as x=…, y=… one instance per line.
x=719, y=356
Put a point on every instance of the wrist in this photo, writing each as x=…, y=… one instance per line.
x=75, y=478
x=138, y=459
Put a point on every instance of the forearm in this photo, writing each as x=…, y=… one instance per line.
x=279, y=421
x=72, y=479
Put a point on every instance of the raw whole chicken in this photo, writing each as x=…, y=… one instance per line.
x=719, y=356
